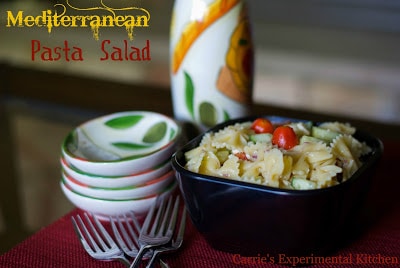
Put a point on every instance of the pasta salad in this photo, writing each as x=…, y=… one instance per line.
x=295, y=155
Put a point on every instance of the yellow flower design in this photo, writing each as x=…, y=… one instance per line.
x=236, y=78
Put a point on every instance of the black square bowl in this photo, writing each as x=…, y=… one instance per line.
x=252, y=220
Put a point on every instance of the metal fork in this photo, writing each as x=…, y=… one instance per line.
x=161, y=231
x=175, y=244
x=96, y=240
x=126, y=229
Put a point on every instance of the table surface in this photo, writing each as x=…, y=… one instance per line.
x=56, y=245
x=377, y=246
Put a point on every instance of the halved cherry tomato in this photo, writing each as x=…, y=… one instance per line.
x=284, y=137
x=241, y=156
x=262, y=125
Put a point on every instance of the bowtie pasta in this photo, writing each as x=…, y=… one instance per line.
x=325, y=155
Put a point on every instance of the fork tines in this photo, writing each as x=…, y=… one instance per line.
x=95, y=239
x=126, y=229
x=130, y=239
x=164, y=222
x=162, y=227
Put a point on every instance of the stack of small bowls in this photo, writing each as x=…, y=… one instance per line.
x=119, y=162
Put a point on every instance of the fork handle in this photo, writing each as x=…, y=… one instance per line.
x=139, y=256
x=153, y=259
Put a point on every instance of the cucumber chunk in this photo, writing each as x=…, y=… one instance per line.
x=308, y=125
x=305, y=126
x=262, y=137
x=326, y=135
x=303, y=184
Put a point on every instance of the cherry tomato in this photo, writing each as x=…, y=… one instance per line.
x=284, y=137
x=241, y=156
x=262, y=125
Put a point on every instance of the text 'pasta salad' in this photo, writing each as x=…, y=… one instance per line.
x=296, y=155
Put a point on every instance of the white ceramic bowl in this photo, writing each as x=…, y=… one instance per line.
x=115, y=181
x=152, y=187
x=122, y=143
x=105, y=207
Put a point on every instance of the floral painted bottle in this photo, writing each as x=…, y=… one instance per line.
x=212, y=61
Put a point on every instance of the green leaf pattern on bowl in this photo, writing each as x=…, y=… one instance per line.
x=124, y=122
x=130, y=146
x=155, y=133
x=172, y=134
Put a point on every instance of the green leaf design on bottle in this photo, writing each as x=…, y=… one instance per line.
x=155, y=133
x=226, y=116
x=124, y=122
x=189, y=94
x=130, y=146
x=208, y=114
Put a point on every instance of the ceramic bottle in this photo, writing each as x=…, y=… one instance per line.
x=211, y=61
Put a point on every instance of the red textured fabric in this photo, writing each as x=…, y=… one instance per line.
x=379, y=246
